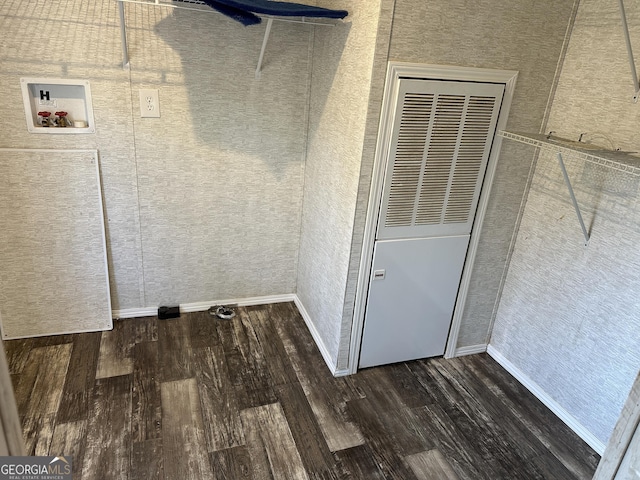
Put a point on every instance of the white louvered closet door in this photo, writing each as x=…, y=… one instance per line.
x=442, y=135
x=441, y=139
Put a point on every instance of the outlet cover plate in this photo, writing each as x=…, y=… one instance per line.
x=149, y=103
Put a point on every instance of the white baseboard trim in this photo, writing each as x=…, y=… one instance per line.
x=470, y=350
x=202, y=306
x=318, y=339
x=545, y=398
x=242, y=302
x=134, y=312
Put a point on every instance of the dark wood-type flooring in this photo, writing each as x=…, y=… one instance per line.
x=251, y=398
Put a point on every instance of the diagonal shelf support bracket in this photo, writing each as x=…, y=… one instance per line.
x=573, y=199
x=123, y=35
x=264, y=46
x=632, y=63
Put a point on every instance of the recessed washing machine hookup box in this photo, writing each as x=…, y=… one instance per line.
x=57, y=106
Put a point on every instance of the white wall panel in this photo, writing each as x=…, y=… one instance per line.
x=203, y=203
x=340, y=84
x=570, y=316
x=53, y=266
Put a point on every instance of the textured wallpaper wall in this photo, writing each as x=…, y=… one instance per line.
x=78, y=39
x=340, y=84
x=523, y=36
x=570, y=316
x=220, y=174
x=203, y=203
x=52, y=250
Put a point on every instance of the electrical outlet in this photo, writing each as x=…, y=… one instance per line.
x=149, y=103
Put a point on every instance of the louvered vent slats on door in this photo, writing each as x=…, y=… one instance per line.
x=438, y=154
x=412, y=137
x=473, y=143
x=439, y=159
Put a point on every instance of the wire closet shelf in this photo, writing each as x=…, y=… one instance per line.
x=617, y=160
x=200, y=6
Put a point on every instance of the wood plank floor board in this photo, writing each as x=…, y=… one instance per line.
x=473, y=422
x=549, y=466
x=431, y=465
x=203, y=329
x=458, y=450
x=116, y=347
x=108, y=440
x=222, y=425
x=252, y=398
x=147, y=461
x=381, y=442
x=556, y=438
x=407, y=386
x=69, y=440
x=520, y=446
x=49, y=341
x=39, y=392
x=297, y=339
x=17, y=352
x=404, y=430
x=326, y=395
x=76, y=394
x=246, y=361
x=314, y=451
x=185, y=453
x=434, y=383
x=174, y=344
x=232, y=464
x=146, y=418
x=481, y=398
x=38, y=432
x=145, y=329
x=23, y=384
x=358, y=463
x=38, y=389
x=271, y=445
x=278, y=363
x=247, y=395
x=503, y=435
x=473, y=432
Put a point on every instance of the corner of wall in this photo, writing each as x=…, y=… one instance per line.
x=324, y=351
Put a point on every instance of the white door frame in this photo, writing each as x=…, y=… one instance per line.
x=395, y=72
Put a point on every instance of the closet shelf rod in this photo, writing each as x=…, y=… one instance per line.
x=632, y=63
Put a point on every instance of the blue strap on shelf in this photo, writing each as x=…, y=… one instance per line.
x=244, y=11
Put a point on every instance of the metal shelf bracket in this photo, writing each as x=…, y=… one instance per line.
x=573, y=199
x=264, y=46
x=123, y=35
x=632, y=63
